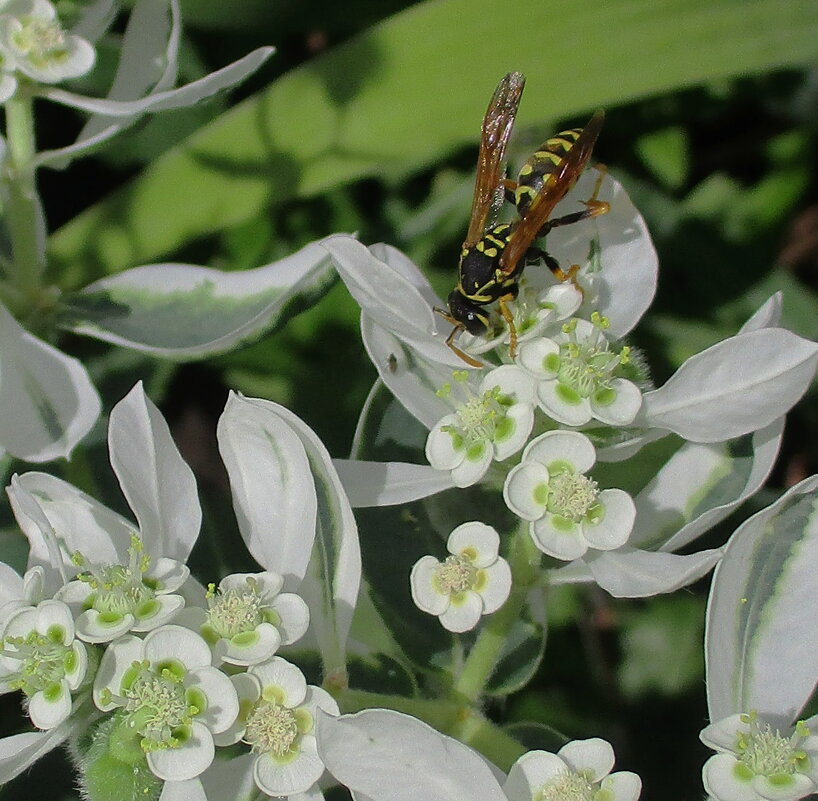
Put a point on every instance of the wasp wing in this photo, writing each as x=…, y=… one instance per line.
x=553, y=191
x=497, y=125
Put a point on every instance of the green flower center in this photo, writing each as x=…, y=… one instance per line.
x=566, y=786
x=236, y=610
x=41, y=40
x=157, y=704
x=455, y=575
x=480, y=419
x=587, y=365
x=118, y=589
x=571, y=495
x=271, y=728
x=766, y=752
x=43, y=660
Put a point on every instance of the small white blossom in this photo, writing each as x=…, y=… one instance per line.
x=171, y=697
x=579, y=771
x=579, y=375
x=568, y=512
x=473, y=581
x=277, y=720
x=41, y=657
x=757, y=762
x=33, y=42
x=248, y=617
x=491, y=425
x=113, y=599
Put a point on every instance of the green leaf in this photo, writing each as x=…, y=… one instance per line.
x=521, y=656
x=665, y=153
x=415, y=87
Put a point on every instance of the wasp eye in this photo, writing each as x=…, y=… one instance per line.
x=467, y=313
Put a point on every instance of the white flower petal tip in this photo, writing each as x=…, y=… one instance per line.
x=567, y=511
x=473, y=581
x=756, y=761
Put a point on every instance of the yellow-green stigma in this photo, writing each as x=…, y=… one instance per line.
x=455, y=575
x=271, y=728
x=235, y=610
x=571, y=495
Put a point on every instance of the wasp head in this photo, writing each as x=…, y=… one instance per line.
x=467, y=313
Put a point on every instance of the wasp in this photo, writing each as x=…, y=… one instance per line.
x=494, y=255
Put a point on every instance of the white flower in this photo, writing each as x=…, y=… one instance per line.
x=249, y=618
x=172, y=699
x=277, y=720
x=41, y=657
x=757, y=762
x=17, y=593
x=33, y=42
x=568, y=512
x=491, y=425
x=113, y=599
x=579, y=771
x=475, y=580
x=580, y=375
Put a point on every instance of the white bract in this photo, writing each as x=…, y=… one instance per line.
x=41, y=657
x=113, y=599
x=756, y=761
x=580, y=375
x=568, y=512
x=33, y=42
x=248, y=617
x=277, y=720
x=473, y=581
x=492, y=424
x=171, y=698
x=579, y=771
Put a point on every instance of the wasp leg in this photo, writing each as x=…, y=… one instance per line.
x=593, y=207
x=512, y=329
x=537, y=254
x=509, y=190
x=465, y=356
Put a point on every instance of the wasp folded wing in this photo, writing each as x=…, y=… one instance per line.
x=553, y=191
x=497, y=125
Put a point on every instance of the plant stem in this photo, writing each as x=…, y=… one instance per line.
x=28, y=263
x=484, y=655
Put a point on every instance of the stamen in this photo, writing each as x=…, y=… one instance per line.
x=271, y=728
x=455, y=575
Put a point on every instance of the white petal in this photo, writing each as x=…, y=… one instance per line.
x=57, y=614
x=498, y=586
x=623, y=785
x=189, y=790
x=720, y=780
x=797, y=786
x=722, y=735
x=481, y=541
x=596, y=756
x=530, y=772
x=560, y=448
x=424, y=590
x=294, y=777
x=440, y=446
x=615, y=525
x=318, y=698
x=177, y=642
x=48, y=711
x=11, y=585
x=188, y=760
x=622, y=409
x=162, y=610
x=248, y=691
x=518, y=423
x=269, y=584
x=287, y=677
x=564, y=297
x=20, y=751
x=555, y=541
x=512, y=381
x=463, y=616
x=116, y=660
x=93, y=626
x=76, y=676
x=540, y=358
x=571, y=413
x=169, y=574
x=222, y=700
x=294, y=616
x=250, y=648
x=474, y=466
x=526, y=490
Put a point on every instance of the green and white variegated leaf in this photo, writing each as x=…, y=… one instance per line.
x=19, y=751
x=389, y=756
x=389, y=483
x=94, y=19
x=633, y=573
x=49, y=403
x=159, y=486
x=700, y=485
x=734, y=387
x=273, y=490
x=768, y=315
x=333, y=578
x=188, y=790
x=761, y=650
x=183, y=311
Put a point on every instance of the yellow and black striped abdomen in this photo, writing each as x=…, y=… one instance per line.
x=535, y=173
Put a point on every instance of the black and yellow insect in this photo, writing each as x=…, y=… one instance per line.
x=493, y=256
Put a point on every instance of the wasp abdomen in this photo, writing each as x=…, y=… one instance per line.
x=538, y=169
